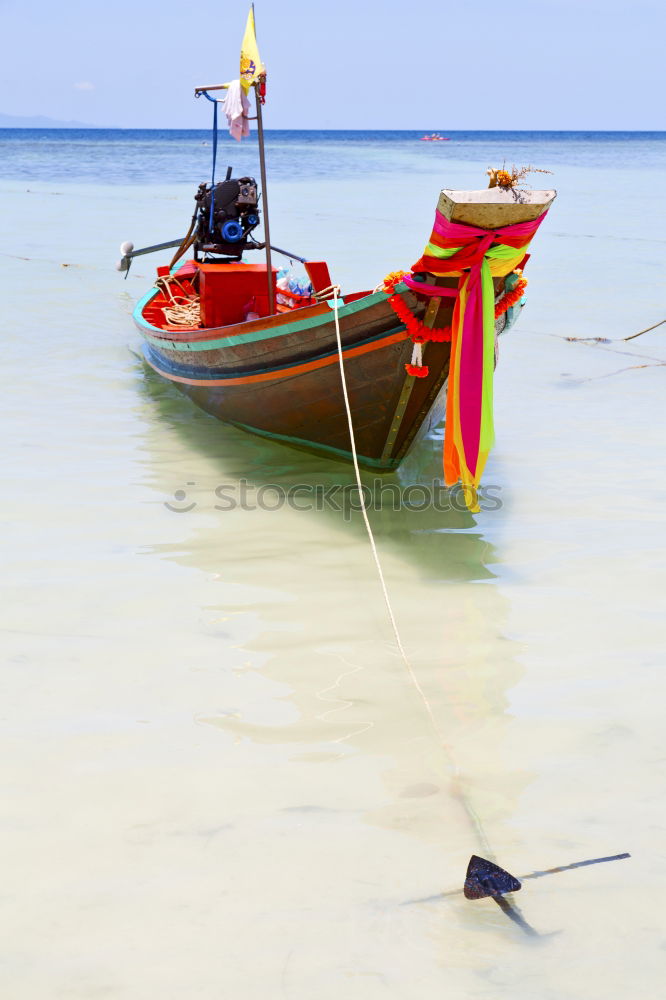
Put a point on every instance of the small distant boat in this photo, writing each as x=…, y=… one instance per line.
x=435, y=137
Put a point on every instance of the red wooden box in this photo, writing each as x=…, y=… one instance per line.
x=229, y=290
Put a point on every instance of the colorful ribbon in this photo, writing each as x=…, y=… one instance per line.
x=468, y=253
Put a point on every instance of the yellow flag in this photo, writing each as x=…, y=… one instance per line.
x=251, y=66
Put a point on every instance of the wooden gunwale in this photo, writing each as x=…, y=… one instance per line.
x=275, y=374
x=363, y=321
x=241, y=333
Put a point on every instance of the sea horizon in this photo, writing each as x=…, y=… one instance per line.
x=514, y=131
x=158, y=156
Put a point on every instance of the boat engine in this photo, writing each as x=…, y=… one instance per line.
x=228, y=212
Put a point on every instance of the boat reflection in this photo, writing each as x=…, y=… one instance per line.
x=411, y=512
x=317, y=627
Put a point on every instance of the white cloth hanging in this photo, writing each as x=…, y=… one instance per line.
x=236, y=107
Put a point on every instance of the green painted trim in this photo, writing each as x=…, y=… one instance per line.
x=246, y=338
x=280, y=369
x=141, y=305
x=315, y=446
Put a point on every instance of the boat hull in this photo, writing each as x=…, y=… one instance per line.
x=280, y=377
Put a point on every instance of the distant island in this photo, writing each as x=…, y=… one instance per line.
x=38, y=121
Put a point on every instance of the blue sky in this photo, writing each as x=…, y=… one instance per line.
x=539, y=64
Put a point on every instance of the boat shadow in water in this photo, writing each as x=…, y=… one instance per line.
x=411, y=513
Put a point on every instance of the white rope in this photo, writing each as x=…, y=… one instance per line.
x=476, y=822
x=359, y=484
x=185, y=309
x=417, y=355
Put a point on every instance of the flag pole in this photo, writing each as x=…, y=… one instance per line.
x=262, y=162
x=259, y=91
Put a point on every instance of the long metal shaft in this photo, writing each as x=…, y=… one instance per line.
x=267, y=232
x=157, y=246
x=292, y=256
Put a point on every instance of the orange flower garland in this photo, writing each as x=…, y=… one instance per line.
x=417, y=330
x=418, y=371
x=420, y=333
x=392, y=279
x=510, y=298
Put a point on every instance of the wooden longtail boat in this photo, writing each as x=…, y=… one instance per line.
x=278, y=375
x=220, y=328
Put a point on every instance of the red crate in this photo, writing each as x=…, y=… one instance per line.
x=229, y=290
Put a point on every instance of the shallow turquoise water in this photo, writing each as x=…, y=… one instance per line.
x=218, y=778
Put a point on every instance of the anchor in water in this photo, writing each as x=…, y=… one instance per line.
x=484, y=879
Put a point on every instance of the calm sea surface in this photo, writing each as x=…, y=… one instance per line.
x=218, y=779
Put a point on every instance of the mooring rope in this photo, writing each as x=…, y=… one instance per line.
x=185, y=309
x=476, y=822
